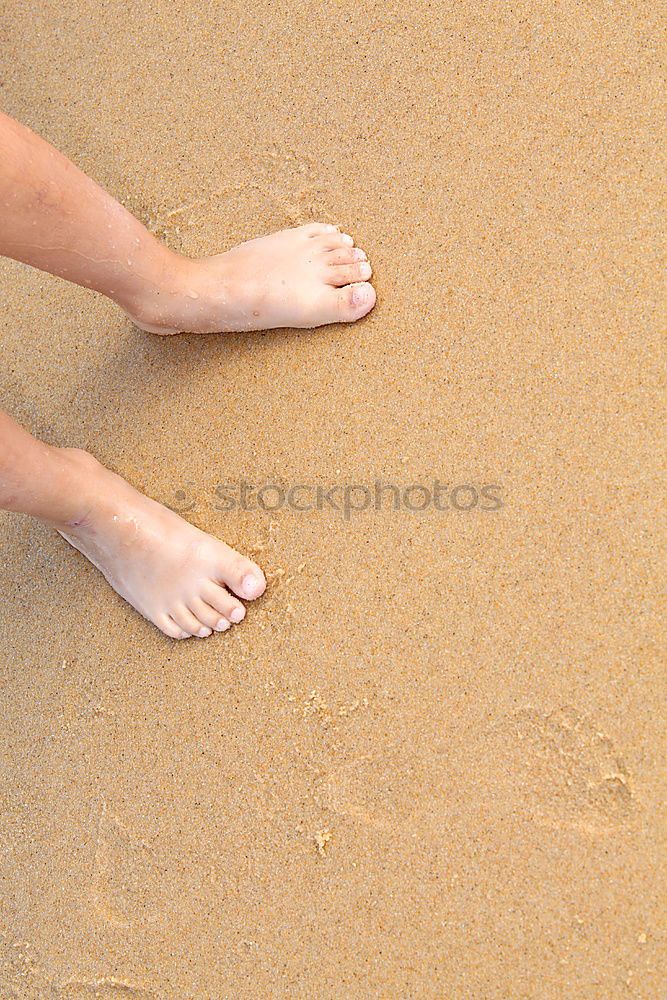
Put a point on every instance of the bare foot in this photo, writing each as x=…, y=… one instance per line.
x=175, y=575
x=303, y=277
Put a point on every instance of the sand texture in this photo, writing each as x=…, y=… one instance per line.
x=427, y=766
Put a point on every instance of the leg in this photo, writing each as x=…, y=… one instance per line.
x=54, y=217
x=175, y=575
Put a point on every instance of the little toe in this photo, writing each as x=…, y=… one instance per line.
x=354, y=301
x=346, y=274
x=189, y=623
x=170, y=628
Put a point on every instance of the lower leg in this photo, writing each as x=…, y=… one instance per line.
x=54, y=217
x=176, y=576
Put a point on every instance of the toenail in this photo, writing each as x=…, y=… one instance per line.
x=203, y=632
x=332, y=229
x=348, y=239
x=237, y=615
x=360, y=255
x=365, y=270
x=222, y=625
x=250, y=583
x=359, y=296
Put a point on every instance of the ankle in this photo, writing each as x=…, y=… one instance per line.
x=82, y=474
x=164, y=305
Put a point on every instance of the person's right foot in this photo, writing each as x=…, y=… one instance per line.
x=176, y=576
x=303, y=277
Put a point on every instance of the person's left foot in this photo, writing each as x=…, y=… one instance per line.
x=303, y=277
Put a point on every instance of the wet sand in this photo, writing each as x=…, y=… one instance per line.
x=427, y=765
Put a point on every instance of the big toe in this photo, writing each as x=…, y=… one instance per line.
x=242, y=576
x=354, y=301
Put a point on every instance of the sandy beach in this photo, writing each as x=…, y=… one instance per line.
x=429, y=764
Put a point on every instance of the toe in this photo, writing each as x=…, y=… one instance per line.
x=346, y=274
x=208, y=616
x=354, y=301
x=189, y=623
x=167, y=625
x=242, y=576
x=223, y=602
x=318, y=228
x=344, y=255
x=333, y=241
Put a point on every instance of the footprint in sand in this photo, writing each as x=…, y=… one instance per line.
x=20, y=973
x=568, y=772
x=102, y=989
x=128, y=884
x=557, y=769
x=393, y=792
x=23, y=978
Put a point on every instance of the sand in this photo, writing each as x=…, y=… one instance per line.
x=428, y=764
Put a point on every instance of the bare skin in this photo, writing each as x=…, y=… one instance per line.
x=303, y=277
x=54, y=217
x=176, y=576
